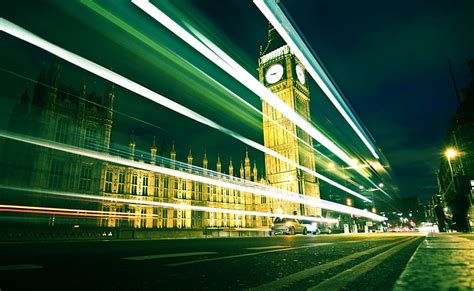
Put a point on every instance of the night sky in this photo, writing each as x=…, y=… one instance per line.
x=389, y=60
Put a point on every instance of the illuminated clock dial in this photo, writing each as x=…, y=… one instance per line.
x=300, y=74
x=274, y=73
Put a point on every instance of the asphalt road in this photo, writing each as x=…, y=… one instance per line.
x=323, y=262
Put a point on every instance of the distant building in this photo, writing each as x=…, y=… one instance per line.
x=456, y=175
x=56, y=113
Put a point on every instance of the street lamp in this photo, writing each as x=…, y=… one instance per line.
x=451, y=153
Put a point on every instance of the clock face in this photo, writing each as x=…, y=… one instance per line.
x=274, y=73
x=300, y=74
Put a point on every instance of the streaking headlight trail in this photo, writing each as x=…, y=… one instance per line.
x=111, y=76
x=227, y=64
x=82, y=212
x=225, y=181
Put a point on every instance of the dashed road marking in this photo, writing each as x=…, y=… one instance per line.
x=164, y=256
x=318, y=244
x=246, y=255
x=267, y=248
x=19, y=267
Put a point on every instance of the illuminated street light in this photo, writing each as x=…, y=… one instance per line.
x=381, y=185
x=450, y=154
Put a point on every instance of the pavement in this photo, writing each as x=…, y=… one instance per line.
x=443, y=261
x=301, y=262
x=398, y=261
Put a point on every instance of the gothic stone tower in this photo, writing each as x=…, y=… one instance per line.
x=281, y=72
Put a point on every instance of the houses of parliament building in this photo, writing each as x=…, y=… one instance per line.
x=82, y=119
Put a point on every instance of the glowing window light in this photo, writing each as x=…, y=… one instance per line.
x=279, y=21
x=94, y=68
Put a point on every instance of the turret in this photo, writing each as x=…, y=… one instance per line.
x=255, y=178
x=241, y=170
x=218, y=165
x=247, y=165
x=204, y=161
x=153, y=151
x=231, y=168
x=190, y=157
x=109, y=103
x=131, y=145
x=173, y=153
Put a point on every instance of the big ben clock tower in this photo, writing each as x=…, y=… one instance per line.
x=281, y=72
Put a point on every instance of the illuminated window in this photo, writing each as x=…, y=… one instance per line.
x=55, y=174
x=134, y=184
x=145, y=185
x=199, y=192
x=155, y=217
x=165, y=218
x=157, y=185
x=121, y=183
x=183, y=188
x=108, y=182
x=85, y=179
x=143, y=218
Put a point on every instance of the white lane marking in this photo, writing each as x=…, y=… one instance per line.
x=245, y=255
x=267, y=248
x=163, y=256
x=19, y=267
x=318, y=244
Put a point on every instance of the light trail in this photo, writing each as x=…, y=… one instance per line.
x=168, y=205
x=225, y=181
x=184, y=63
x=70, y=212
x=226, y=63
x=109, y=75
x=281, y=23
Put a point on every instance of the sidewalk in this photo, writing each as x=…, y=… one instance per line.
x=443, y=261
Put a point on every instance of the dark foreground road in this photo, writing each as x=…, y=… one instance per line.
x=353, y=262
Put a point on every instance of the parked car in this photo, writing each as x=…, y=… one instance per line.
x=288, y=226
x=317, y=227
x=311, y=226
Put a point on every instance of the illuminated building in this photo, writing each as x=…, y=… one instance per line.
x=85, y=120
x=283, y=74
x=60, y=114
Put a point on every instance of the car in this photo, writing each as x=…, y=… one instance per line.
x=288, y=226
x=317, y=227
x=311, y=226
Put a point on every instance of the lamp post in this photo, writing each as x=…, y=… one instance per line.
x=451, y=153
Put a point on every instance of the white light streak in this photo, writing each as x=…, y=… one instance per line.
x=154, y=203
x=279, y=21
x=231, y=183
x=94, y=68
x=226, y=63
